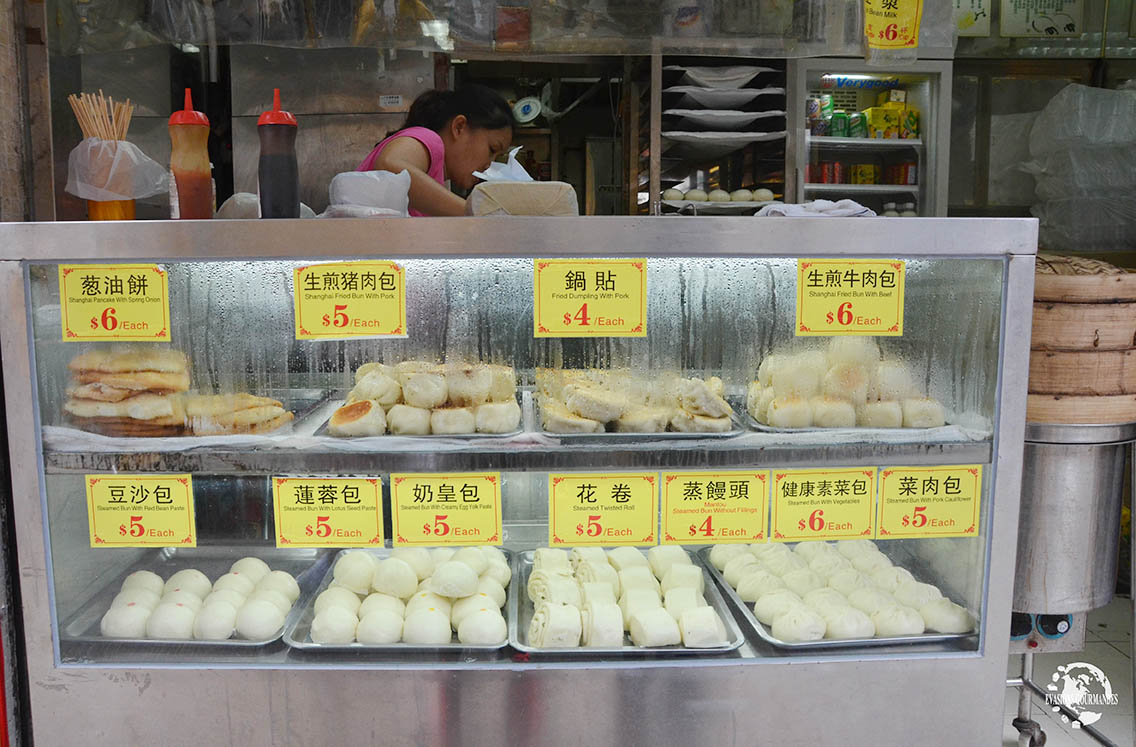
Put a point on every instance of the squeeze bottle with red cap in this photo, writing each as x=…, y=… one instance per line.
x=277, y=172
x=189, y=162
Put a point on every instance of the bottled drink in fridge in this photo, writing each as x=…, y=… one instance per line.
x=189, y=162
x=277, y=172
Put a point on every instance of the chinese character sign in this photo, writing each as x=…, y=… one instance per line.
x=710, y=508
x=114, y=302
x=590, y=298
x=343, y=300
x=140, y=511
x=446, y=509
x=822, y=504
x=328, y=511
x=850, y=297
x=930, y=501
x=607, y=508
x=892, y=24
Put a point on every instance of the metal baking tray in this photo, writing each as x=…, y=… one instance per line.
x=298, y=634
x=322, y=430
x=307, y=565
x=746, y=611
x=521, y=612
x=617, y=437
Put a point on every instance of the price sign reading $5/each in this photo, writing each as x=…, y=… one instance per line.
x=114, y=302
x=140, y=510
x=589, y=298
x=446, y=509
x=342, y=300
x=850, y=297
x=609, y=508
x=930, y=501
x=328, y=511
x=823, y=504
x=712, y=508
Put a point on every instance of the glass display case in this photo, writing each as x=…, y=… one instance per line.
x=256, y=423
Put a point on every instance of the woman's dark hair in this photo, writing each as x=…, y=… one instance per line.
x=483, y=108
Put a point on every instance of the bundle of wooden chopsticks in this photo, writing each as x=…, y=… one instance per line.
x=101, y=117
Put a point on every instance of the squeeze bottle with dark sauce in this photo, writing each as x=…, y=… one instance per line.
x=277, y=172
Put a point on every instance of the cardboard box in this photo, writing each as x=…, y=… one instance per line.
x=891, y=96
x=883, y=123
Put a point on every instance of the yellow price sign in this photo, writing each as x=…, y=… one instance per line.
x=850, y=297
x=589, y=297
x=446, y=509
x=114, y=302
x=328, y=511
x=823, y=504
x=712, y=508
x=341, y=300
x=609, y=508
x=140, y=510
x=930, y=501
x=892, y=24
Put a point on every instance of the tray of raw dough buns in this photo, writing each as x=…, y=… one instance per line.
x=407, y=616
x=324, y=429
x=696, y=621
x=614, y=436
x=140, y=589
x=852, y=607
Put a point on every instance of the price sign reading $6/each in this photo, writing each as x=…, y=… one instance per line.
x=114, y=302
x=850, y=297
x=328, y=511
x=343, y=300
x=823, y=504
x=446, y=509
x=711, y=508
x=941, y=501
x=140, y=510
x=608, y=508
x=589, y=297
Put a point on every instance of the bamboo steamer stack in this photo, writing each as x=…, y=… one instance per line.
x=1083, y=352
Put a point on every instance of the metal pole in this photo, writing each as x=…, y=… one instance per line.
x=1025, y=700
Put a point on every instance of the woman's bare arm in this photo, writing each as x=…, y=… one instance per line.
x=426, y=195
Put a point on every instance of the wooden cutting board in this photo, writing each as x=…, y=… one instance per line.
x=1082, y=372
x=1083, y=326
x=1051, y=408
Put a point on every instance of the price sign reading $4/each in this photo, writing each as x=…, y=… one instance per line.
x=823, y=504
x=850, y=297
x=140, y=510
x=328, y=511
x=589, y=297
x=446, y=509
x=114, y=302
x=609, y=508
x=930, y=501
x=711, y=508
x=342, y=300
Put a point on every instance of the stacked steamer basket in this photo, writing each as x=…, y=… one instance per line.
x=1083, y=358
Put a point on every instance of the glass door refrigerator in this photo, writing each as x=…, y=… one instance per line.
x=879, y=136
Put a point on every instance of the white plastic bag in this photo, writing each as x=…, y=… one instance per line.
x=510, y=171
x=246, y=206
x=365, y=194
x=106, y=170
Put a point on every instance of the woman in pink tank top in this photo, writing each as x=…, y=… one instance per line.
x=447, y=135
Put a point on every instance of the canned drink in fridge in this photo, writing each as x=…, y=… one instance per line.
x=826, y=105
x=818, y=127
x=812, y=173
x=839, y=172
x=857, y=126
x=908, y=173
x=828, y=172
x=812, y=107
x=838, y=127
x=865, y=173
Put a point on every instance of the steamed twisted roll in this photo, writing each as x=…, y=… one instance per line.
x=555, y=626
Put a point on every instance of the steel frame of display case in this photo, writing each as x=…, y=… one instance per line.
x=933, y=695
